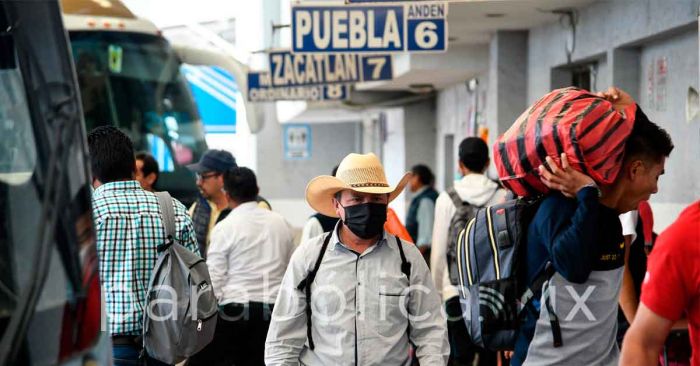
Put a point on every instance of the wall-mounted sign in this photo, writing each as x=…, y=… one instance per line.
x=288, y=69
x=297, y=142
x=260, y=89
x=415, y=27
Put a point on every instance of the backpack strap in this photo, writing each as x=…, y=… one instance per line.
x=165, y=202
x=406, y=270
x=534, y=291
x=305, y=285
x=553, y=319
x=405, y=265
x=456, y=199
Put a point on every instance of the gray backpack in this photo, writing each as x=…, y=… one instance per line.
x=465, y=212
x=176, y=328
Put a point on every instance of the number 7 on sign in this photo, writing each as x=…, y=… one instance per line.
x=377, y=68
x=378, y=64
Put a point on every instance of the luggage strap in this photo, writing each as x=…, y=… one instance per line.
x=533, y=292
x=165, y=202
x=454, y=196
x=305, y=284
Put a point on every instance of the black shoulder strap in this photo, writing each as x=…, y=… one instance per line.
x=534, y=291
x=405, y=265
x=456, y=199
x=406, y=269
x=305, y=285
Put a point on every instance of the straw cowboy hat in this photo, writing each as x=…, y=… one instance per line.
x=357, y=172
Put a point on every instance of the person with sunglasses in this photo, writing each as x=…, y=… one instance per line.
x=209, y=172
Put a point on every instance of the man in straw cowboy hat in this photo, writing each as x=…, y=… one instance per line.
x=356, y=295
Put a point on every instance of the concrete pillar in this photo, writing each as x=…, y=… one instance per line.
x=626, y=70
x=420, y=129
x=507, y=78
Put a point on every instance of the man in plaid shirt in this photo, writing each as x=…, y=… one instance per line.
x=129, y=227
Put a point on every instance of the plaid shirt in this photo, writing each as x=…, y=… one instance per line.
x=129, y=227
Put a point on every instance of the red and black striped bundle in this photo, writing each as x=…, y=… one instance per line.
x=571, y=121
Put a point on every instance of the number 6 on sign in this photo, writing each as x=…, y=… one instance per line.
x=426, y=37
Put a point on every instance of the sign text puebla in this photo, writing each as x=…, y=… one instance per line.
x=413, y=27
x=288, y=69
x=260, y=89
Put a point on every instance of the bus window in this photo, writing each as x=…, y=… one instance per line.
x=133, y=81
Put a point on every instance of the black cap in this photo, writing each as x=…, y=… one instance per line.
x=214, y=161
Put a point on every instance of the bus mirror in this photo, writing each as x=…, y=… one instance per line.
x=7, y=51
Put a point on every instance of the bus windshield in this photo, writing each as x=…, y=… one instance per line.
x=133, y=81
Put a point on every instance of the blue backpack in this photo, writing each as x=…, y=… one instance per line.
x=490, y=256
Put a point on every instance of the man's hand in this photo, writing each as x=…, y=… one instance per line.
x=565, y=178
x=618, y=97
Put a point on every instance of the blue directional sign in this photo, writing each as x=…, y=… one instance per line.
x=414, y=27
x=288, y=69
x=260, y=89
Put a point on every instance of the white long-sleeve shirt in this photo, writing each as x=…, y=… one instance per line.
x=363, y=307
x=311, y=229
x=476, y=189
x=248, y=255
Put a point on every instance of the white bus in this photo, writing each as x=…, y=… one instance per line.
x=130, y=77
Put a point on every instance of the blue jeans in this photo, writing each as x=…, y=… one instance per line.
x=125, y=355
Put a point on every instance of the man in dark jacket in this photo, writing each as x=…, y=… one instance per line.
x=421, y=212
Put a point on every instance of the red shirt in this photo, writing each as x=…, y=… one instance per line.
x=671, y=288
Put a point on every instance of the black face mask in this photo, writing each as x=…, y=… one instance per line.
x=365, y=220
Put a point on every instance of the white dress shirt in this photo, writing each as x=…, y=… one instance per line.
x=248, y=255
x=362, y=307
x=311, y=229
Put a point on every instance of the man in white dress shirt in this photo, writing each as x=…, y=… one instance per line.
x=247, y=258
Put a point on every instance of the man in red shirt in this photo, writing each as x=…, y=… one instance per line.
x=671, y=291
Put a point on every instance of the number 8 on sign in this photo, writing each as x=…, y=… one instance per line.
x=334, y=91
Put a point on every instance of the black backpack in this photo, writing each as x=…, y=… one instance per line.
x=465, y=212
x=490, y=255
x=305, y=284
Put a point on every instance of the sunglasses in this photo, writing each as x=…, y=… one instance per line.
x=205, y=176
